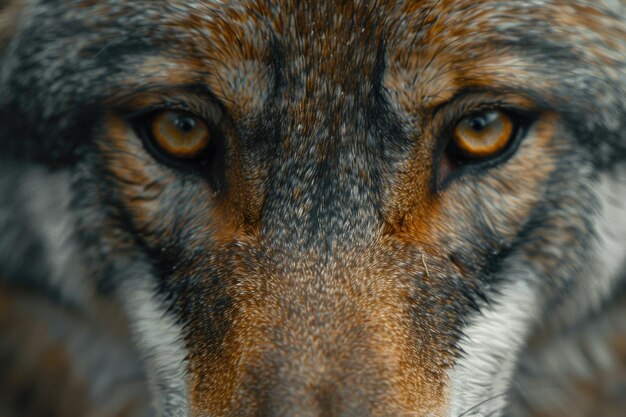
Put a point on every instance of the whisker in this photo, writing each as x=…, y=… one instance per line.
x=469, y=410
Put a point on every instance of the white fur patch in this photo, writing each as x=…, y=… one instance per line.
x=479, y=382
x=158, y=336
x=159, y=339
x=48, y=198
x=493, y=340
x=610, y=248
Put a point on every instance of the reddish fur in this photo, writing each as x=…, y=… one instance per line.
x=319, y=329
x=221, y=376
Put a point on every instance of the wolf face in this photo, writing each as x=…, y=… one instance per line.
x=318, y=208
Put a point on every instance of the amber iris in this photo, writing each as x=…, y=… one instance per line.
x=180, y=134
x=484, y=134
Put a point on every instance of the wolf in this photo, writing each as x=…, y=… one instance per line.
x=309, y=208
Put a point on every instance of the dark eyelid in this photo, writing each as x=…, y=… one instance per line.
x=212, y=117
x=165, y=90
x=193, y=98
x=494, y=97
x=152, y=109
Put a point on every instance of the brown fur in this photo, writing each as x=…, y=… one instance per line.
x=281, y=321
x=331, y=268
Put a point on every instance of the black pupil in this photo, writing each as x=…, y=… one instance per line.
x=186, y=123
x=478, y=124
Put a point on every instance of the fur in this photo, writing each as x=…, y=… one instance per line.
x=328, y=255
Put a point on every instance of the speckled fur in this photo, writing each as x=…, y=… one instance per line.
x=320, y=266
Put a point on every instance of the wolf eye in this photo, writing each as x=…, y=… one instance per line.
x=482, y=139
x=483, y=134
x=183, y=141
x=180, y=134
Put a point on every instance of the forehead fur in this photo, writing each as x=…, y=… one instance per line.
x=90, y=48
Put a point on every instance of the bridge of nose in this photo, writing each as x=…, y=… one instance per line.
x=327, y=339
x=323, y=324
x=336, y=331
x=331, y=330
x=321, y=400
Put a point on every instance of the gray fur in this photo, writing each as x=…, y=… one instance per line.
x=65, y=231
